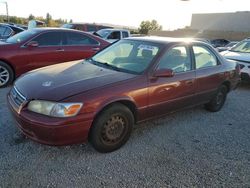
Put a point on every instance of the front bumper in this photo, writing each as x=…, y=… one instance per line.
x=52, y=131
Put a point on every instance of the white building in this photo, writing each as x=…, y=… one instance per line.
x=237, y=21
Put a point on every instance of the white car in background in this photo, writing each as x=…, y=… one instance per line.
x=112, y=35
x=240, y=53
x=227, y=47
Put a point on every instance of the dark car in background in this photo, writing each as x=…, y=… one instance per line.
x=133, y=80
x=8, y=30
x=85, y=26
x=41, y=47
x=219, y=42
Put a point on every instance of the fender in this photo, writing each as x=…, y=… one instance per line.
x=112, y=100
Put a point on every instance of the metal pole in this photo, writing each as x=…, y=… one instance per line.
x=7, y=11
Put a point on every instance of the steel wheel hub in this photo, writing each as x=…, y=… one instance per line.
x=113, y=129
x=219, y=98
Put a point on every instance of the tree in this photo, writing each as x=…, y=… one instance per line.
x=1, y=19
x=31, y=17
x=147, y=26
x=48, y=19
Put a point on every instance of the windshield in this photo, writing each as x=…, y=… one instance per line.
x=20, y=37
x=128, y=56
x=231, y=44
x=243, y=46
x=103, y=33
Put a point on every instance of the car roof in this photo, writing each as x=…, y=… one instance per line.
x=41, y=29
x=165, y=40
x=112, y=29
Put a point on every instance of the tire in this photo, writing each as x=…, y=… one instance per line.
x=218, y=100
x=112, y=128
x=6, y=74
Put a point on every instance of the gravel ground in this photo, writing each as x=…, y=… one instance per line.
x=191, y=148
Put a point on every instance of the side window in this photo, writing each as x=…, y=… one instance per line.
x=204, y=57
x=79, y=39
x=115, y=35
x=124, y=34
x=5, y=31
x=49, y=39
x=2, y=30
x=177, y=59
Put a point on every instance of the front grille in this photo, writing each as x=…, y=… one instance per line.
x=245, y=76
x=17, y=99
x=241, y=66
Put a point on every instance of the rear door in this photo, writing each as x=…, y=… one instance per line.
x=78, y=46
x=171, y=93
x=209, y=73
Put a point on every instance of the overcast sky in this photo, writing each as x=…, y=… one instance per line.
x=170, y=14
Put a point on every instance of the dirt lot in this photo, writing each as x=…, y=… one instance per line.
x=192, y=148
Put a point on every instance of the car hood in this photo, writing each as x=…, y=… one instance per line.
x=63, y=80
x=245, y=57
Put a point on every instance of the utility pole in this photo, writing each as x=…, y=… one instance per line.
x=7, y=10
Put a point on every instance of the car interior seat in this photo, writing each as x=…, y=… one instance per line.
x=147, y=54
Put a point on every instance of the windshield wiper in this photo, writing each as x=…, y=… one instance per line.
x=111, y=66
x=233, y=50
x=104, y=64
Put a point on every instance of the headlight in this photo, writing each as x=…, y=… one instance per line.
x=54, y=109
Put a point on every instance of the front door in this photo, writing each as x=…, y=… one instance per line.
x=48, y=52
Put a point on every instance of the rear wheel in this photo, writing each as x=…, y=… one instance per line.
x=218, y=100
x=112, y=128
x=6, y=74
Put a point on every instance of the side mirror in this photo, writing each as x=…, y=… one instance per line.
x=164, y=73
x=32, y=44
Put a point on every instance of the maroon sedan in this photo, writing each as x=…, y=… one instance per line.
x=41, y=47
x=131, y=81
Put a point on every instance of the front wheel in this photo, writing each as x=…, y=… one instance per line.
x=112, y=128
x=6, y=74
x=218, y=100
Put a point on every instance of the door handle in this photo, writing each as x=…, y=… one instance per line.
x=189, y=82
x=95, y=49
x=60, y=50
